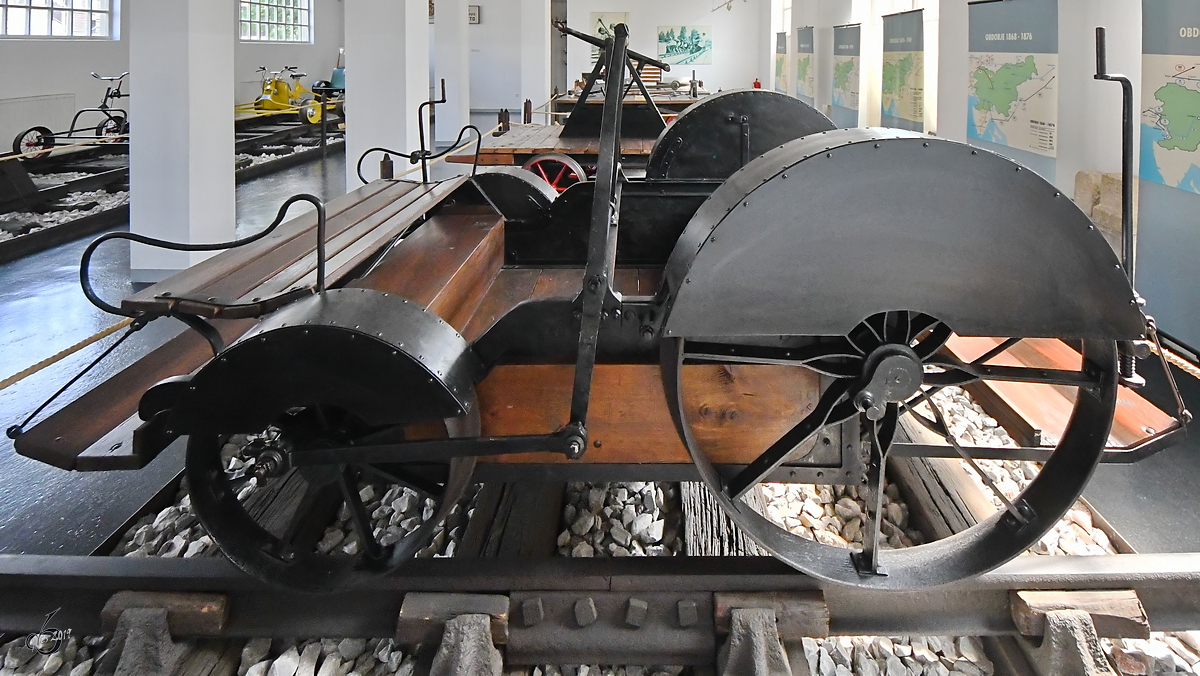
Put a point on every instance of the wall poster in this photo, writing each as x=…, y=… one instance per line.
x=780, y=63
x=903, y=95
x=1171, y=93
x=1168, y=203
x=1013, y=72
x=806, y=80
x=685, y=45
x=846, y=75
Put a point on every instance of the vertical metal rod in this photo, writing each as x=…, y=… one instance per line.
x=324, y=127
x=1127, y=252
x=602, y=238
x=320, y=244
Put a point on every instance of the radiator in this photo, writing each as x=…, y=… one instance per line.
x=18, y=114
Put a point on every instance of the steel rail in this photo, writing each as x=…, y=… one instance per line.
x=31, y=586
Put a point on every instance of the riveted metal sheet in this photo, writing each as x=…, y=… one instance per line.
x=706, y=140
x=516, y=194
x=387, y=359
x=816, y=236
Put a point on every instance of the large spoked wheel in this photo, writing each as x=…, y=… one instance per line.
x=560, y=171
x=892, y=363
x=277, y=540
x=34, y=140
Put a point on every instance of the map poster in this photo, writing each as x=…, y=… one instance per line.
x=604, y=26
x=1012, y=88
x=1170, y=152
x=846, y=69
x=903, y=100
x=806, y=80
x=781, y=63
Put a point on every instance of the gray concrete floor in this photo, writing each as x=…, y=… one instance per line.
x=42, y=311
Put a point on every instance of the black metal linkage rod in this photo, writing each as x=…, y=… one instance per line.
x=597, y=42
x=32, y=586
x=602, y=237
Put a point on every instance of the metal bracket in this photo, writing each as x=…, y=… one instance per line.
x=142, y=624
x=466, y=649
x=1069, y=648
x=753, y=648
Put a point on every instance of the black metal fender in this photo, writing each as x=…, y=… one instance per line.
x=815, y=236
x=515, y=193
x=380, y=356
x=720, y=134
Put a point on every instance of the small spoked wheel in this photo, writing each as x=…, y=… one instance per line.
x=560, y=171
x=34, y=140
x=113, y=126
x=285, y=530
x=890, y=365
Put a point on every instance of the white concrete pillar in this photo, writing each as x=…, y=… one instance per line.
x=1089, y=111
x=953, y=64
x=452, y=63
x=181, y=150
x=387, y=77
x=535, y=53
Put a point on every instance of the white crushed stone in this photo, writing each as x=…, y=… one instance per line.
x=24, y=222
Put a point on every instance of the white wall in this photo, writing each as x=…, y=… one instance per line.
x=496, y=56
x=35, y=67
x=739, y=43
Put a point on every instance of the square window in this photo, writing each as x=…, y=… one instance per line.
x=99, y=24
x=100, y=5
x=81, y=4
x=18, y=2
x=18, y=20
x=79, y=24
x=39, y=22
x=62, y=3
x=41, y=3
x=60, y=23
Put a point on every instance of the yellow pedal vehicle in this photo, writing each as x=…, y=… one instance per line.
x=280, y=97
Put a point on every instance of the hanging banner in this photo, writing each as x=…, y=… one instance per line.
x=1171, y=93
x=806, y=79
x=846, y=56
x=1013, y=74
x=1168, y=202
x=781, y=63
x=903, y=95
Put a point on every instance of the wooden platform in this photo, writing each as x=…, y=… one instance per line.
x=1036, y=415
x=523, y=142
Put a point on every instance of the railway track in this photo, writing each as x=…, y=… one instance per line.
x=521, y=541
x=46, y=201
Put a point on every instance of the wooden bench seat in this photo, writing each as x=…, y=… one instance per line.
x=101, y=429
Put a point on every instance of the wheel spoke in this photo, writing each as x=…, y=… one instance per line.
x=933, y=342
x=944, y=430
x=358, y=514
x=813, y=356
x=826, y=411
x=559, y=177
x=959, y=373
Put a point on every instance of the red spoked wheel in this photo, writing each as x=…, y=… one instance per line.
x=560, y=171
x=33, y=140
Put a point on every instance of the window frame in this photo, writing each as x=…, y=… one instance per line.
x=275, y=14
x=112, y=15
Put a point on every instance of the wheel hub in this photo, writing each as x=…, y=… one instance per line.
x=892, y=374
